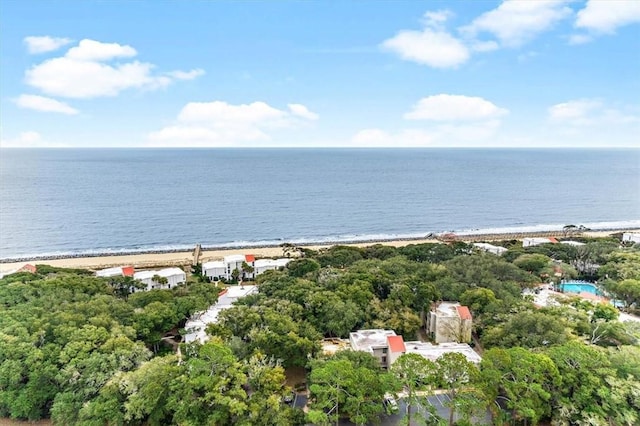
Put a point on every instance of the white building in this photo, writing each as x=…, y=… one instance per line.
x=174, y=276
x=197, y=324
x=118, y=271
x=449, y=322
x=433, y=352
x=632, y=237
x=263, y=265
x=385, y=345
x=572, y=243
x=219, y=269
x=214, y=270
x=490, y=248
x=536, y=241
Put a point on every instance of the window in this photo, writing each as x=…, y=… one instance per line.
x=384, y=360
x=384, y=350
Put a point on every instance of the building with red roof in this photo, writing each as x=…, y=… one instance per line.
x=449, y=322
x=28, y=268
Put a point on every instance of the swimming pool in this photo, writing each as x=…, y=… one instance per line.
x=579, y=287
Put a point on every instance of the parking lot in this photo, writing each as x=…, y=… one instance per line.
x=439, y=402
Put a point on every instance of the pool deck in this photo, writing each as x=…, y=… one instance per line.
x=548, y=297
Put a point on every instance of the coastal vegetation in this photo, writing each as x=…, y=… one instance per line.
x=84, y=350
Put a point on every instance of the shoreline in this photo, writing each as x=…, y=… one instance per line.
x=157, y=258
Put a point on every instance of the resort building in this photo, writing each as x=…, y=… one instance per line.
x=536, y=241
x=490, y=248
x=631, y=237
x=197, y=324
x=247, y=265
x=433, y=352
x=449, y=322
x=174, y=277
x=119, y=271
x=385, y=345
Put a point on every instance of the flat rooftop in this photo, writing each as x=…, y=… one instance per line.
x=366, y=340
x=433, y=352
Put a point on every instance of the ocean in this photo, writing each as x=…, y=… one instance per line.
x=91, y=201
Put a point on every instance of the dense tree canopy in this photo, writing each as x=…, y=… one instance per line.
x=84, y=350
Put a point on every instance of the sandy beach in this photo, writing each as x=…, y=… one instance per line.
x=150, y=260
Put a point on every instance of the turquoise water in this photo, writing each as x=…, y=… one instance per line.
x=579, y=288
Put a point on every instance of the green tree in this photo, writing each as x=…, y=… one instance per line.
x=212, y=390
x=414, y=373
x=161, y=281
x=524, y=380
x=346, y=386
x=301, y=267
x=530, y=329
x=455, y=373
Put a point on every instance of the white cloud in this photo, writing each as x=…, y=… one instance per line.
x=591, y=112
x=186, y=75
x=446, y=107
x=91, y=50
x=219, y=123
x=484, y=46
x=605, y=16
x=436, y=49
x=436, y=18
x=219, y=113
x=302, y=111
x=575, y=39
x=83, y=72
x=573, y=110
x=515, y=22
x=43, y=44
x=432, y=46
x=443, y=135
x=377, y=138
x=29, y=139
x=41, y=103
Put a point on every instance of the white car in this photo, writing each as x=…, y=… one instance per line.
x=390, y=403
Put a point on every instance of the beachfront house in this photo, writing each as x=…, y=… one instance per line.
x=162, y=279
x=631, y=237
x=572, y=243
x=118, y=271
x=536, y=241
x=263, y=265
x=215, y=270
x=490, y=248
x=449, y=322
x=240, y=262
x=247, y=265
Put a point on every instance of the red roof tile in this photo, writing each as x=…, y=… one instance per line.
x=128, y=271
x=250, y=258
x=553, y=240
x=464, y=312
x=396, y=344
x=28, y=268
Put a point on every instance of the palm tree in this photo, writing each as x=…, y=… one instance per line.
x=159, y=280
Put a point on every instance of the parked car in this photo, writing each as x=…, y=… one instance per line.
x=390, y=403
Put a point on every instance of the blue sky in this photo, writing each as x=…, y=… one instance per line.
x=320, y=73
